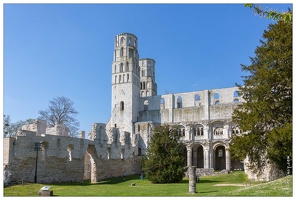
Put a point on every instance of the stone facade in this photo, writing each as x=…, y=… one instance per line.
x=203, y=117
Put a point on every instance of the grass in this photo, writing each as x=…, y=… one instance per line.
x=119, y=187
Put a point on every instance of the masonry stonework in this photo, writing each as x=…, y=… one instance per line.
x=203, y=118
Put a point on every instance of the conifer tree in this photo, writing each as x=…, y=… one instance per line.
x=266, y=114
x=164, y=161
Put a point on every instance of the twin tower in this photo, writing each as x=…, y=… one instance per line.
x=132, y=78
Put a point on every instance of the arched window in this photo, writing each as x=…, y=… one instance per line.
x=197, y=97
x=146, y=103
x=179, y=102
x=115, y=79
x=126, y=67
x=121, y=105
x=235, y=100
x=119, y=79
x=114, y=68
x=127, y=78
x=121, y=51
x=121, y=40
x=181, y=131
x=235, y=94
x=162, y=103
x=142, y=94
x=129, y=42
x=121, y=67
x=217, y=102
x=216, y=96
x=143, y=72
x=69, y=149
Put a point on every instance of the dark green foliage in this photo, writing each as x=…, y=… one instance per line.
x=165, y=159
x=266, y=116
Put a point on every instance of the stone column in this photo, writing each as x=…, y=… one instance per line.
x=194, y=161
x=211, y=155
x=206, y=157
x=192, y=180
x=227, y=158
x=189, y=154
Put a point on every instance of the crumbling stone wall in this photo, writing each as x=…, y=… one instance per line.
x=62, y=158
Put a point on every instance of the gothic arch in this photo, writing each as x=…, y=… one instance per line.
x=198, y=156
x=219, y=151
x=90, y=166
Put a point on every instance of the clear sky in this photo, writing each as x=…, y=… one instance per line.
x=52, y=50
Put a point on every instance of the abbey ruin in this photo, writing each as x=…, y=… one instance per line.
x=109, y=150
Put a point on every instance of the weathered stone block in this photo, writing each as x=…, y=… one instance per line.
x=45, y=193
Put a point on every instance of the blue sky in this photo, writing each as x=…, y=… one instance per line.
x=52, y=50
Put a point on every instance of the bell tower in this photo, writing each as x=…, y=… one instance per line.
x=148, y=85
x=125, y=82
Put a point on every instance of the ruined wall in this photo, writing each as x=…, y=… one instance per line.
x=69, y=159
x=270, y=172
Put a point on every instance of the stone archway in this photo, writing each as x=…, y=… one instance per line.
x=220, y=158
x=90, y=167
x=198, y=156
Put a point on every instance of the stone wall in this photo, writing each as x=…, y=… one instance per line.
x=68, y=159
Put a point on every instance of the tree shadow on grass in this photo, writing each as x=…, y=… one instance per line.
x=118, y=180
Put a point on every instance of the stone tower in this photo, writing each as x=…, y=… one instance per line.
x=125, y=82
x=147, y=77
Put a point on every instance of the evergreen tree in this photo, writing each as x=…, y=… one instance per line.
x=165, y=159
x=266, y=114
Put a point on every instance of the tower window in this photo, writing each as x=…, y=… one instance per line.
x=216, y=96
x=121, y=40
x=121, y=105
x=197, y=97
x=143, y=72
x=121, y=67
x=179, y=102
x=162, y=103
x=146, y=103
x=121, y=51
x=126, y=67
x=235, y=94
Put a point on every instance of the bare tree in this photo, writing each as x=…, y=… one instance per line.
x=61, y=111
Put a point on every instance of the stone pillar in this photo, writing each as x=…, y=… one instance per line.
x=227, y=158
x=206, y=157
x=211, y=155
x=189, y=155
x=194, y=161
x=192, y=179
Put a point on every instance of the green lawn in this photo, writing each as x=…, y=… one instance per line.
x=120, y=187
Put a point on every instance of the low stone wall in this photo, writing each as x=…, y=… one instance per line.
x=207, y=172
